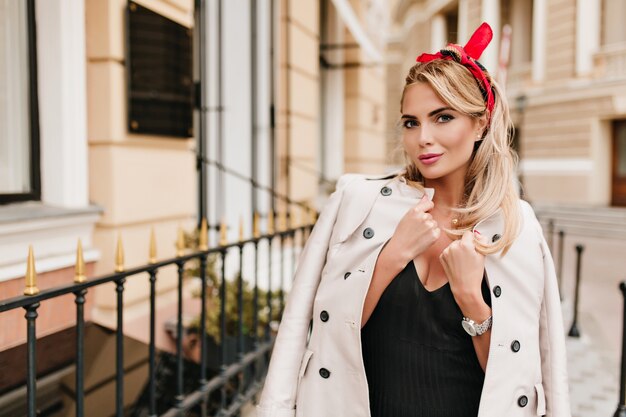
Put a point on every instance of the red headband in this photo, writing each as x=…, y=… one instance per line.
x=467, y=56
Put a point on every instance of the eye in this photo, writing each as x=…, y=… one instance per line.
x=409, y=123
x=444, y=118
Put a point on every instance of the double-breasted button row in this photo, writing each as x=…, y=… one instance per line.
x=515, y=346
x=368, y=233
x=324, y=316
x=324, y=373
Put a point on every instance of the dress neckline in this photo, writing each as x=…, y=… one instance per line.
x=438, y=289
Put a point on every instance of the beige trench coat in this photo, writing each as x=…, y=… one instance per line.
x=322, y=374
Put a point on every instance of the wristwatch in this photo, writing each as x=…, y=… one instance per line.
x=474, y=329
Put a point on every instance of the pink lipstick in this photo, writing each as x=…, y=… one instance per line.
x=429, y=158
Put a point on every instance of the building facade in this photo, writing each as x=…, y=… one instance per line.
x=565, y=78
x=286, y=96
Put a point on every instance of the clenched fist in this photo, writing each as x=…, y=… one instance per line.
x=464, y=267
x=415, y=232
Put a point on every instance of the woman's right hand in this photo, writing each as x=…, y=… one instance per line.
x=415, y=233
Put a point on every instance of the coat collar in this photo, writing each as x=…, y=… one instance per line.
x=361, y=197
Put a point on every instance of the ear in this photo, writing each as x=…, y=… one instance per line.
x=481, y=126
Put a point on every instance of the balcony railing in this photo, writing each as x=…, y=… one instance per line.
x=610, y=62
x=243, y=376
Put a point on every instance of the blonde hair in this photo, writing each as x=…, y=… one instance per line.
x=490, y=181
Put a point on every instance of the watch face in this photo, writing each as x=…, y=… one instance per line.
x=469, y=327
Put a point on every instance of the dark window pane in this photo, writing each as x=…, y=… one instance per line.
x=160, y=74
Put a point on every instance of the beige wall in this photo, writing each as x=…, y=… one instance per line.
x=140, y=181
x=299, y=96
x=365, y=146
x=299, y=118
x=561, y=41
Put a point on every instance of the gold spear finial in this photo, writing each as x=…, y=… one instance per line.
x=79, y=271
x=313, y=215
x=119, y=255
x=180, y=242
x=296, y=216
x=270, y=222
x=31, y=274
x=203, y=241
x=256, y=232
x=153, y=252
x=223, y=238
x=241, y=237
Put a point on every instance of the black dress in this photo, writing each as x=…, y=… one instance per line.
x=418, y=359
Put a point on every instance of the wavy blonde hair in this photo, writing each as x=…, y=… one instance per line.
x=490, y=181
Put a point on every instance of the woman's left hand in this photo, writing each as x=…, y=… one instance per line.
x=464, y=267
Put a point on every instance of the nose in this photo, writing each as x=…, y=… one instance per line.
x=424, y=136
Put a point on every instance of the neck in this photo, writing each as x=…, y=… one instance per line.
x=448, y=190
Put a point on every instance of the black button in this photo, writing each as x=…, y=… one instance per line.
x=495, y=238
x=522, y=401
x=385, y=191
x=368, y=233
x=346, y=275
x=324, y=373
x=324, y=315
x=497, y=291
x=515, y=346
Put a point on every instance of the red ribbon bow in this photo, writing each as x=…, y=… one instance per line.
x=467, y=56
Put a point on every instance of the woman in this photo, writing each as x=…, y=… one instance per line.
x=431, y=292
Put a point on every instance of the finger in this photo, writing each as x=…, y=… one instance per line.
x=467, y=239
x=482, y=239
x=424, y=204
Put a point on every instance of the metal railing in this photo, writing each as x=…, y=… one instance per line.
x=245, y=371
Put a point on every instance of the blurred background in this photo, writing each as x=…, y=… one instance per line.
x=126, y=123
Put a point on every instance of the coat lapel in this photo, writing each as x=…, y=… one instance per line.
x=359, y=200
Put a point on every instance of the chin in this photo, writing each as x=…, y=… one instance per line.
x=431, y=174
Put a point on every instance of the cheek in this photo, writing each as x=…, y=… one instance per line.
x=461, y=141
x=407, y=143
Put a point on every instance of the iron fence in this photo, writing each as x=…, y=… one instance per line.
x=245, y=373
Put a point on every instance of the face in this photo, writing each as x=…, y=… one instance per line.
x=438, y=139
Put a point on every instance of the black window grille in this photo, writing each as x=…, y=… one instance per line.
x=160, y=86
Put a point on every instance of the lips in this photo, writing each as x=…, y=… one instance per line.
x=429, y=158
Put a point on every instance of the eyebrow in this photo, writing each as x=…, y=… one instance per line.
x=432, y=113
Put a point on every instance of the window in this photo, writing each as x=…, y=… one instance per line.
x=519, y=14
x=618, y=196
x=613, y=28
x=19, y=120
x=452, y=25
x=160, y=74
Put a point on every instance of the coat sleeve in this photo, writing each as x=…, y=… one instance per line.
x=552, y=341
x=279, y=392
